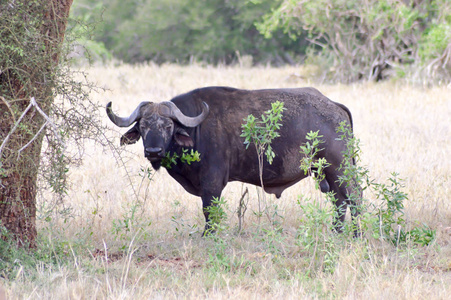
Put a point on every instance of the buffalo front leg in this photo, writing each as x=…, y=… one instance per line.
x=213, y=181
x=209, y=208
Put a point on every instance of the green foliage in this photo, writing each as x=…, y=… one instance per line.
x=187, y=157
x=130, y=223
x=262, y=132
x=346, y=40
x=386, y=218
x=169, y=160
x=390, y=216
x=435, y=41
x=183, y=31
x=180, y=225
x=146, y=172
x=382, y=219
x=391, y=224
x=366, y=39
x=51, y=253
x=421, y=235
x=84, y=25
x=272, y=239
x=22, y=46
x=57, y=179
x=315, y=233
x=220, y=259
x=309, y=163
x=217, y=215
x=316, y=237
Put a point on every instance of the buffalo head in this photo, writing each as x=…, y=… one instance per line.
x=158, y=124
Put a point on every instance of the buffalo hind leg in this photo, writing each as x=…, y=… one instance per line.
x=339, y=199
x=354, y=198
x=330, y=184
x=344, y=197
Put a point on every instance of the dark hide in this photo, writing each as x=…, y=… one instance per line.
x=224, y=157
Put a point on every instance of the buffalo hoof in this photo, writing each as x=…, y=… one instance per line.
x=209, y=230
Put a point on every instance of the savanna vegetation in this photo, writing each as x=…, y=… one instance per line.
x=346, y=41
x=98, y=222
x=125, y=231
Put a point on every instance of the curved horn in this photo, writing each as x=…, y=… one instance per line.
x=125, y=122
x=176, y=113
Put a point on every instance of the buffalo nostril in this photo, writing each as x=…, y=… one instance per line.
x=153, y=151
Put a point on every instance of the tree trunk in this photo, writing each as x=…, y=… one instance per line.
x=19, y=81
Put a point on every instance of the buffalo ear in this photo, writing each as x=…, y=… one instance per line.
x=182, y=138
x=131, y=136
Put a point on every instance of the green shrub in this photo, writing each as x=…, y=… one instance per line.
x=370, y=40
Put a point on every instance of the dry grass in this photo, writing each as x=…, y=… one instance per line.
x=131, y=238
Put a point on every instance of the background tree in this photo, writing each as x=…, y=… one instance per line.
x=346, y=40
x=31, y=34
x=214, y=31
x=370, y=39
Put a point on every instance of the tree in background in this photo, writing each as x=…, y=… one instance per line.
x=346, y=40
x=370, y=39
x=213, y=31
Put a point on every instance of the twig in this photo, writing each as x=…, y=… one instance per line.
x=14, y=128
x=44, y=115
x=9, y=107
x=31, y=141
x=49, y=121
x=242, y=207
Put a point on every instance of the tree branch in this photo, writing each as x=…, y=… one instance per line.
x=44, y=115
x=14, y=128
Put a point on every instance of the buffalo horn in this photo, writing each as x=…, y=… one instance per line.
x=176, y=113
x=125, y=122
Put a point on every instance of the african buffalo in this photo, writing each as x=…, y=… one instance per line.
x=209, y=120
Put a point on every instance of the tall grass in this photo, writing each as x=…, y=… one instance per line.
x=129, y=233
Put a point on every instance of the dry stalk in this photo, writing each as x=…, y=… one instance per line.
x=242, y=207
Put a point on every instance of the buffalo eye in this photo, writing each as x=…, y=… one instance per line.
x=143, y=126
x=168, y=127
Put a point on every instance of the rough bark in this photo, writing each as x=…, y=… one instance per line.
x=19, y=169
